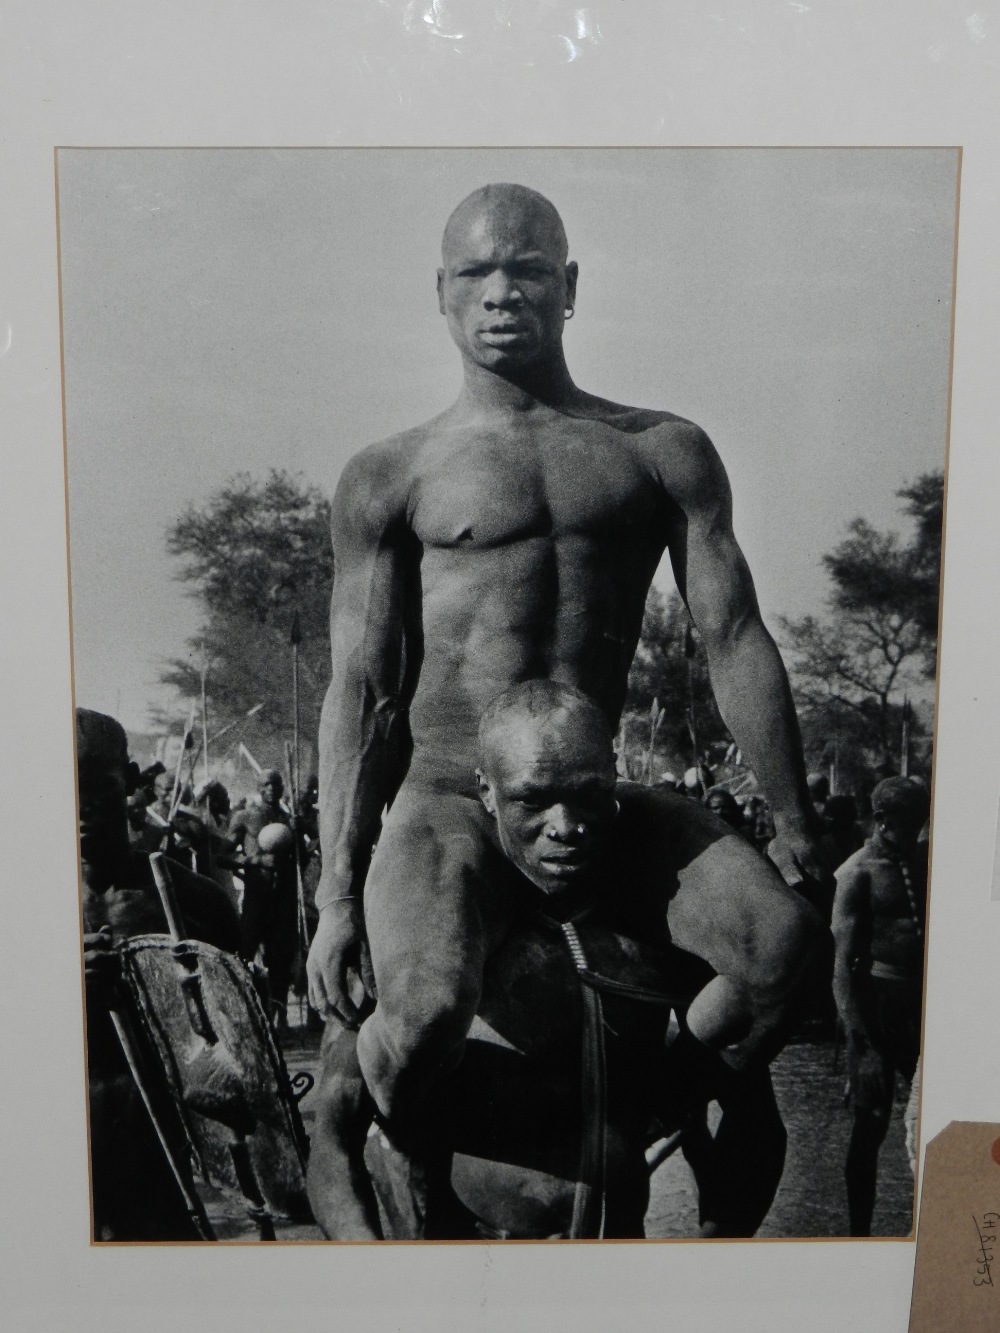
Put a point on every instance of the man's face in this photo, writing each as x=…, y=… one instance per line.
x=103, y=804
x=164, y=787
x=137, y=817
x=505, y=286
x=553, y=798
x=722, y=809
x=898, y=827
x=269, y=793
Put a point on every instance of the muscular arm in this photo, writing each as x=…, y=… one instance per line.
x=358, y=734
x=732, y=909
x=748, y=676
x=851, y=938
x=363, y=701
x=760, y=937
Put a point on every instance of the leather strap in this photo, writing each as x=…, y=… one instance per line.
x=589, y=1195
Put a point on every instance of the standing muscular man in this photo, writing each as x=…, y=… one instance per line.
x=513, y=537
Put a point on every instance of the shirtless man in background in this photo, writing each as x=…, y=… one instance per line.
x=879, y=915
x=513, y=537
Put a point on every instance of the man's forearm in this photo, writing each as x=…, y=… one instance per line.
x=755, y=700
x=847, y=1000
x=355, y=771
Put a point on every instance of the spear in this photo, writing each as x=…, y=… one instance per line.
x=229, y=725
x=904, y=757
x=250, y=759
x=186, y=745
x=300, y=888
x=204, y=710
x=295, y=638
x=656, y=716
x=689, y=653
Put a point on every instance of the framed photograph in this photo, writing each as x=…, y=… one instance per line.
x=240, y=327
x=188, y=257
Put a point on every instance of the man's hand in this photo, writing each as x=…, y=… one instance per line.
x=339, y=949
x=872, y=1090
x=797, y=853
x=101, y=967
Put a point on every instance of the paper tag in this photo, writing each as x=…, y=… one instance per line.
x=956, y=1281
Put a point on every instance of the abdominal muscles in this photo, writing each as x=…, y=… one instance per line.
x=541, y=608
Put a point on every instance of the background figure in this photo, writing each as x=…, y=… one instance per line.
x=879, y=913
x=723, y=805
x=268, y=919
x=135, y=1195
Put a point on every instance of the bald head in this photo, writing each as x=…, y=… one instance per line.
x=510, y=212
x=100, y=739
x=543, y=715
x=102, y=760
x=547, y=777
x=902, y=796
x=505, y=286
x=900, y=808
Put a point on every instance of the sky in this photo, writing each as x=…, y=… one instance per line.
x=234, y=310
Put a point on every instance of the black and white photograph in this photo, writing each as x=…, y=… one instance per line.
x=505, y=602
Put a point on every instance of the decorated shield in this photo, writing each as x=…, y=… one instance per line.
x=200, y=1012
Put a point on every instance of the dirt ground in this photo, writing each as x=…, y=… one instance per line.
x=810, y=1201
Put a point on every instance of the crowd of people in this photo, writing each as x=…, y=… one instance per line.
x=262, y=852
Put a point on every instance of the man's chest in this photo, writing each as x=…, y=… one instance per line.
x=490, y=490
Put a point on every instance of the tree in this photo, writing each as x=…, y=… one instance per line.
x=661, y=671
x=853, y=668
x=255, y=553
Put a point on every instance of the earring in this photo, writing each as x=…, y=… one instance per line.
x=618, y=807
x=568, y=312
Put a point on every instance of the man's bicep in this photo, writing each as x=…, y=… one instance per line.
x=710, y=569
x=850, y=903
x=369, y=539
x=719, y=587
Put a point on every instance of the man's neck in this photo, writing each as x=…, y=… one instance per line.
x=894, y=851
x=545, y=384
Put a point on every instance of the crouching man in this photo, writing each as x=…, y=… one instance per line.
x=539, y=1128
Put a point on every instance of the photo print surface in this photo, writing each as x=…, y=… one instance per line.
x=505, y=592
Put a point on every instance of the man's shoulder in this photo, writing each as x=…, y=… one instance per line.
x=858, y=863
x=655, y=423
x=379, y=476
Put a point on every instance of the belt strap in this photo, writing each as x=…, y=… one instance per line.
x=591, y=1183
x=589, y=1195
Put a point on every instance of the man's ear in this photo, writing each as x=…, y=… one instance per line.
x=572, y=273
x=440, y=290
x=486, y=793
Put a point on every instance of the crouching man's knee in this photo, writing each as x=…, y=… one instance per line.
x=402, y=1052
